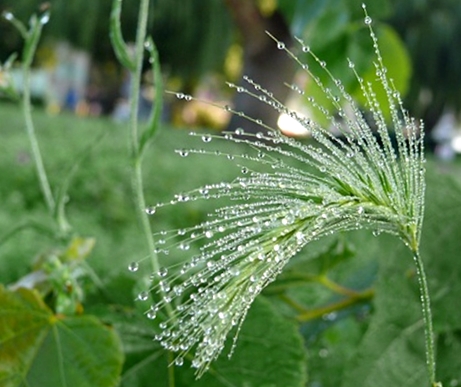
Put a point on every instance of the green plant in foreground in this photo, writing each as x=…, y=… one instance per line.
x=358, y=180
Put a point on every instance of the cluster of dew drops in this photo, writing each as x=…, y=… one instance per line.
x=206, y=138
x=163, y=272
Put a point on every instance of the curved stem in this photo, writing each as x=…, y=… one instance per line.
x=359, y=297
x=138, y=185
x=427, y=316
x=27, y=112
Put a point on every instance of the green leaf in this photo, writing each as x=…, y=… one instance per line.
x=392, y=351
x=449, y=360
x=441, y=247
x=39, y=348
x=269, y=352
x=116, y=37
x=330, y=351
x=337, y=252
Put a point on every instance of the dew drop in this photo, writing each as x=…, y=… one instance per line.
x=280, y=45
x=133, y=266
x=184, y=246
x=143, y=296
x=150, y=210
x=368, y=20
x=244, y=170
x=209, y=234
x=306, y=49
x=234, y=271
x=162, y=272
x=45, y=18
x=239, y=132
x=164, y=286
x=206, y=138
x=210, y=264
x=222, y=315
x=8, y=15
x=183, y=152
x=180, y=95
x=151, y=314
x=178, y=290
x=179, y=361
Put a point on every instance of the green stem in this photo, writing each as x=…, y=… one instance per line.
x=334, y=307
x=138, y=185
x=27, y=112
x=171, y=379
x=335, y=287
x=427, y=316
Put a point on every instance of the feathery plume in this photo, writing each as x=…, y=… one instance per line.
x=300, y=193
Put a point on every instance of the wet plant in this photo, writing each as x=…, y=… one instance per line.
x=287, y=195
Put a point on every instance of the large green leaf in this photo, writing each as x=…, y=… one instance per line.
x=269, y=352
x=39, y=348
x=392, y=352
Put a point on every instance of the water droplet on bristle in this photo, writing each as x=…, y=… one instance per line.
x=150, y=210
x=163, y=272
x=45, y=18
x=151, y=314
x=8, y=15
x=280, y=45
x=206, y=138
x=143, y=296
x=133, y=266
x=368, y=20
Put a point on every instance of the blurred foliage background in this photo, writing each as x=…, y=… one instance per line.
x=202, y=39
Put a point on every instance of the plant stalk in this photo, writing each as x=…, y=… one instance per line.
x=427, y=316
x=27, y=112
x=138, y=185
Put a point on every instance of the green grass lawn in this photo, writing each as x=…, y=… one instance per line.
x=101, y=203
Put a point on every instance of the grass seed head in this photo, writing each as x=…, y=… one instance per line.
x=287, y=195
